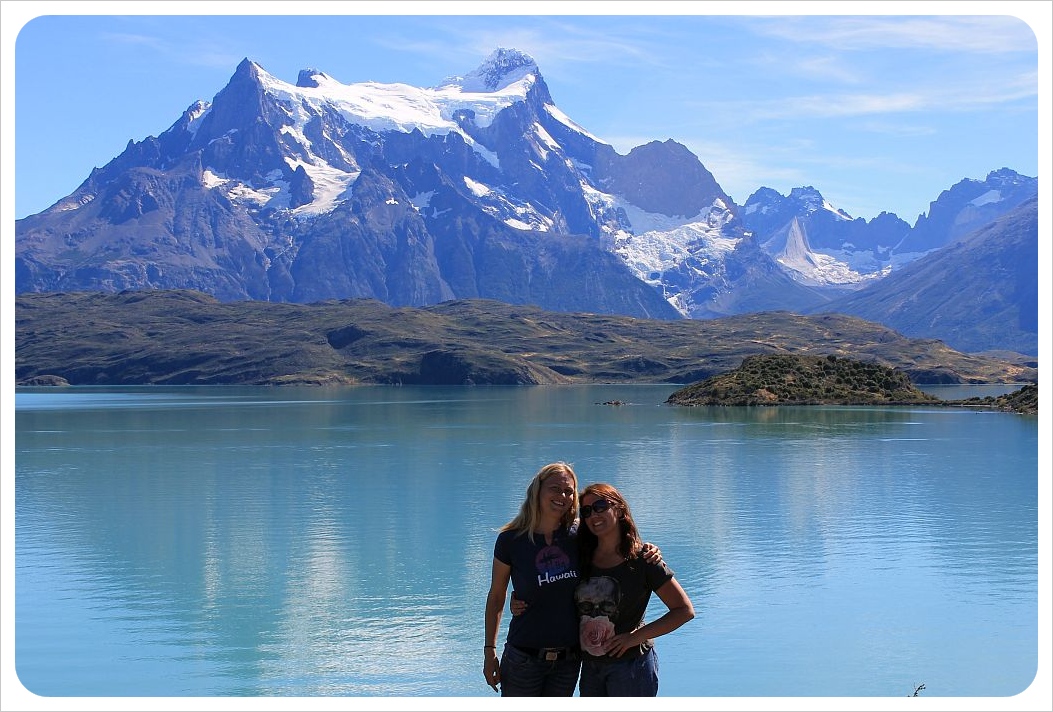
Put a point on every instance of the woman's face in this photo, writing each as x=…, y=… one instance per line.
x=599, y=522
x=557, y=494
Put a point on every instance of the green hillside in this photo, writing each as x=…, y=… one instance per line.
x=183, y=338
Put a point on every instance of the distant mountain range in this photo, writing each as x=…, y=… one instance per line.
x=979, y=293
x=481, y=187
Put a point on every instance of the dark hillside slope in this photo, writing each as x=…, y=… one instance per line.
x=182, y=337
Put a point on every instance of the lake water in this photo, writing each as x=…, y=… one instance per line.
x=318, y=542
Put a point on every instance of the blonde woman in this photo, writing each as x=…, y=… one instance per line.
x=538, y=553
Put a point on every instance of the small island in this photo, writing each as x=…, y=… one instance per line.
x=785, y=379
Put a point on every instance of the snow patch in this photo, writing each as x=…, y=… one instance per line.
x=819, y=268
x=559, y=116
x=212, y=180
x=195, y=113
x=836, y=211
x=331, y=185
x=478, y=189
x=396, y=107
x=643, y=221
x=547, y=142
x=422, y=200
x=240, y=192
x=485, y=153
x=667, y=243
x=278, y=194
x=74, y=204
x=991, y=196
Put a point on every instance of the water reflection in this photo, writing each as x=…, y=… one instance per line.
x=338, y=541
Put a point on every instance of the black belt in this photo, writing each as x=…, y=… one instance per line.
x=549, y=654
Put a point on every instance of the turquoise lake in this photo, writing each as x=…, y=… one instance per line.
x=336, y=542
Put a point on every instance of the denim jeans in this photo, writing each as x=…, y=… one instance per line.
x=524, y=675
x=636, y=677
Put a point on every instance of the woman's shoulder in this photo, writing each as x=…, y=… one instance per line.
x=507, y=533
x=658, y=572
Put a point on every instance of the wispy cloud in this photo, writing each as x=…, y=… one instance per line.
x=189, y=51
x=139, y=40
x=964, y=95
x=900, y=129
x=827, y=68
x=559, y=47
x=980, y=34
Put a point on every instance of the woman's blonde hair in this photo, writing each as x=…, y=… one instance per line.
x=529, y=517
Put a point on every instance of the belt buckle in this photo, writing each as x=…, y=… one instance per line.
x=551, y=655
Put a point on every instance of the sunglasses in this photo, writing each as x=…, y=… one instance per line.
x=598, y=507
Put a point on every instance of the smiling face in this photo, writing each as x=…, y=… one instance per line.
x=602, y=524
x=556, y=495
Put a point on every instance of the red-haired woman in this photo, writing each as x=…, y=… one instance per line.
x=618, y=655
x=537, y=552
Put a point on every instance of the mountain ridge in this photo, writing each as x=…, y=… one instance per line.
x=997, y=308
x=281, y=192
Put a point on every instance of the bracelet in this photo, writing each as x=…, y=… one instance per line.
x=489, y=646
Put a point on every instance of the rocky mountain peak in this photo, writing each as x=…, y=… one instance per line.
x=309, y=78
x=247, y=69
x=481, y=187
x=1005, y=177
x=502, y=68
x=664, y=178
x=966, y=206
x=808, y=198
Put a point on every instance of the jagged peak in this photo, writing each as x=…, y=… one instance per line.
x=246, y=67
x=312, y=78
x=502, y=68
x=813, y=201
x=254, y=72
x=195, y=110
x=1002, y=177
x=807, y=195
x=190, y=119
x=1006, y=176
x=668, y=147
x=765, y=194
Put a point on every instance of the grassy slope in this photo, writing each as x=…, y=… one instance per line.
x=178, y=337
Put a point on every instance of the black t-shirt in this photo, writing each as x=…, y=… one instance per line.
x=613, y=601
x=544, y=576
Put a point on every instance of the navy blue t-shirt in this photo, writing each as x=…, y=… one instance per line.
x=544, y=576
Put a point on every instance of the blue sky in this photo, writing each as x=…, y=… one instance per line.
x=877, y=112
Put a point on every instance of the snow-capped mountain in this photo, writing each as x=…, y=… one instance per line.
x=820, y=244
x=965, y=207
x=979, y=292
x=824, y=246
x=479, y=187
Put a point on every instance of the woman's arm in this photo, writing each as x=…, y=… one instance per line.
x=680, y=611
x=495, y=603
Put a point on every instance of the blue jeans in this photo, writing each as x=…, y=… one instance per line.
x=523, y=675
x=636, y=677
